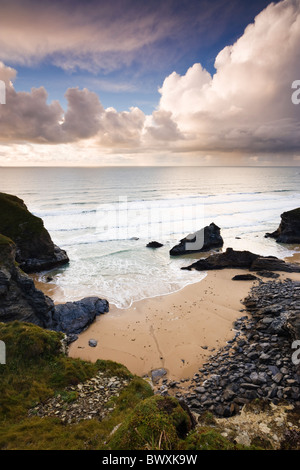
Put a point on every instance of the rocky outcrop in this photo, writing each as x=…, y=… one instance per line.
x=20, y=300
x=154, y=245
x=74, y=317
x=205, y=239
x=243, y=260
x=289, y=228
x=35, y=251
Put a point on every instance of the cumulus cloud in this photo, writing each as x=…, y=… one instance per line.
x=244, y=108
x=121, y=129
x=246, y=104
x=27, y=117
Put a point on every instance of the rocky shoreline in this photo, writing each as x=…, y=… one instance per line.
x=87, y=400
x=257, y=363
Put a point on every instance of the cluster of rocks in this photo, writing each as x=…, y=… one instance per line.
x=257, y=363
x=26, y=246
x=87, y=400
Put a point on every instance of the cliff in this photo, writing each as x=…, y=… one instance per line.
x=35, y=251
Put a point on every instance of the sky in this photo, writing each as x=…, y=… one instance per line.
x=136, y=82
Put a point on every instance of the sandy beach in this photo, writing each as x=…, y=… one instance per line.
x=178, y=331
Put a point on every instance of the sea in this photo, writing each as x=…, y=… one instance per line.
x=105, y=217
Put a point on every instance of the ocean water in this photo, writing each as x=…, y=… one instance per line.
x=104, y=217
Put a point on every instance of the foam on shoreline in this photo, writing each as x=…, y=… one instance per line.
x=177, y=332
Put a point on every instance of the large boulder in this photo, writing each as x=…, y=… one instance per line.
x=289, y=228
x=74, y=317
x=242, y=260
x=35, y=251
x=205, y=239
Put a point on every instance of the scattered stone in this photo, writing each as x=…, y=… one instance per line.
x=87, y=400
x=258, y=362
x=93, y=343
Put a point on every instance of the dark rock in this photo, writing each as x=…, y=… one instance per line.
x=93, y=343
x=154, y=245
x=268, y=274
x=74, y=317
x=278, y=377
x=258, y=364
x=157, y=374
x=35, y=251
x=242, y=260
x=244, y=277
x=21, y=301
x=70, y=339
x=293, y=325
x=205, y=239
x=289, y=228
x=271, y=263
x=229, y=259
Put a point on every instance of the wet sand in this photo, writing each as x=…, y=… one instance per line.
x=178, y=331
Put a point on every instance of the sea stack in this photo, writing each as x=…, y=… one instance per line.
x=205, y=239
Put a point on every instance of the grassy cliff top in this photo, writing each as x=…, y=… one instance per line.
x=37, y=368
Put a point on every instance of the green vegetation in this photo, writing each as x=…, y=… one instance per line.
x=209, y=439
x=38, y=369
x=156, y=423
x=35, y=368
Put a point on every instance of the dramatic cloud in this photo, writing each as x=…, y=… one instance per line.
x=98, y=35
x=247, y=104
x=244, y=108
x=27, y=117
